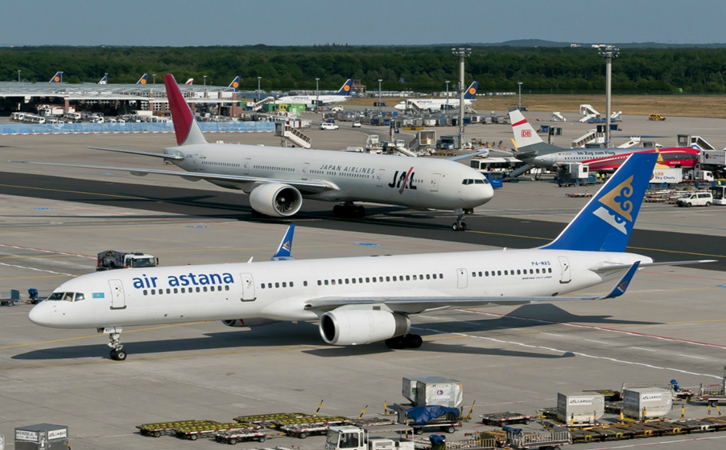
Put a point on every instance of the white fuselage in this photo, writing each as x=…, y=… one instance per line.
x=312, y=100
x=279, y=290
x=423, y=183
x=433, y=104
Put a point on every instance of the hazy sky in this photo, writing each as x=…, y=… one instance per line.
x=362, y=22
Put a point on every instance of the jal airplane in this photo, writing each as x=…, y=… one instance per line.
x=277, y=179
x=361, y=300
x=435, y=104
x=536, y=153
x=343, y=95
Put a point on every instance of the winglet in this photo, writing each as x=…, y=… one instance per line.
x=285, y=248
x=186, y=128
x=624, y=282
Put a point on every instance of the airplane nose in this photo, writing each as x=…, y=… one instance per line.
x=40, y=315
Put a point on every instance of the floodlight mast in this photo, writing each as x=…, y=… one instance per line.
x=462, y=53
x=608, y=52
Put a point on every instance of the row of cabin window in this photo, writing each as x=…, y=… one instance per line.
x=496, y=273
x=214, y=163
x=185, y=290
x=285, y=169
x=279, y=284
x=381, y=279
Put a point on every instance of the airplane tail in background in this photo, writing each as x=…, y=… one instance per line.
x=524, y=134
x=235, y=83
x=284, y=250
x=470, y=93
x=185, y=126
x=57, y=78
x=606, y=222
x=189, y=82
x=144, y=79
x=104, y=80
x=346, y=89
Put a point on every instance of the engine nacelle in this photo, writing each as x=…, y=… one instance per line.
x=276, y=200
x=246, y=323
x=362, y=326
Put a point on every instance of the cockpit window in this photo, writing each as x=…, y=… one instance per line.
x=475, y=181
x=67, y=296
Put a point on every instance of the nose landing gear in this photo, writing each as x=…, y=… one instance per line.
x=460, y=225
x=114, y=333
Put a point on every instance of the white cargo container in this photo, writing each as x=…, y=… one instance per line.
x=449, y=393
x=409, y=385
x=580, y=407
x=648, y=403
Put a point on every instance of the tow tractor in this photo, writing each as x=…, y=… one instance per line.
x=354, y=438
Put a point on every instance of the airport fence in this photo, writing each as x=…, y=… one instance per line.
x=167, y=127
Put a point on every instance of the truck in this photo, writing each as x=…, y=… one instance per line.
x=112, y=259
x=571, y=174
x=354, y=438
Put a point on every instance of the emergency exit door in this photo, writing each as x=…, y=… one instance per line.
x=118, y=297
x=248, y=288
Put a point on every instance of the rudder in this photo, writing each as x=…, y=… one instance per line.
x=185, y=126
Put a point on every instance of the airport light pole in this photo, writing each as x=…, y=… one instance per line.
x=317, y=93
x=608, y=52
x=205, y=80
x=18, y=75
x=154, y=75
x=519, y=106
x=379, y=94
x=447, y=93
x=258, y=88
x=462, y=53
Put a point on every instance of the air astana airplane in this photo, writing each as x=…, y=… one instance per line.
x=536, y=153
x=277, y=179
x=361, y=300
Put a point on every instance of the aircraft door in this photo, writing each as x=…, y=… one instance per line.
x=435, y=182
x=305, y=170
x=248, y=288
x=380, y=176
x=246, y=166
x=118, y=297
x=565, y=276
x=462, y=280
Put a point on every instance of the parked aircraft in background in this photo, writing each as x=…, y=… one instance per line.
x=57, y=78
x=343, y=94
x=235, y=83
x=104, y=80
x=361, y=300
x=536, y=153
x=278, y=179
x=144, y=79
x=189, y=82
x=436, y=104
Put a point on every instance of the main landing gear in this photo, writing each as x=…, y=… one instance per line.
x=349, y=210
x=407, y=341
x=460, y=225
x=114, y=333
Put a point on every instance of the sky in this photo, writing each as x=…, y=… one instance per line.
x=362, y=22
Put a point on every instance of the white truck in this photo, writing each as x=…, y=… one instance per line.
x=355, y=438
x=111, y=259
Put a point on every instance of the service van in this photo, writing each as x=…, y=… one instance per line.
x=695, y=199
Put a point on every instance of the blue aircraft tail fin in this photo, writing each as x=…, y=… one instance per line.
x=606, y=222
x=144, y=79
x=57, y=78
x=104, y=80
x=470, y=93
x=235, y=83
x=346, y=89
x=284, y=250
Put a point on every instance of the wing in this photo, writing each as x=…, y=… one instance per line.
x=305, y=185
x=133, y=152
x=414, y=305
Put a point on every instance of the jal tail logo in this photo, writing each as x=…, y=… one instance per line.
x=616, y=207
x=403, y=181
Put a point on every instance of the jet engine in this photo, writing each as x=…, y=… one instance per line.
x=276, y=200
x=357, y=326
x=246, y=323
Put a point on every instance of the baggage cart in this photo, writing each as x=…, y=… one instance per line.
x=505, y=418
x=194, y=432
x=542, y=440
x=234, y=436
x=160, y=428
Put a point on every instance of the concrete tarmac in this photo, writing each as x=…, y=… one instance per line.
x=510, y=358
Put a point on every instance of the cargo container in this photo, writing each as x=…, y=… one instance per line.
x=580, y=407
x=449, y=393
x=647, y=403
x=409, y=385
x=42, y=436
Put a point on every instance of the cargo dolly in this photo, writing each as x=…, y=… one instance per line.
x=194, y=432
x=505, y=418
x=161, y=428
x=309, y=426
x=269, y=419
x=542, y=440
x=233, y=436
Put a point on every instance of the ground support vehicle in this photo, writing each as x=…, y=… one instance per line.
x=505, y=418
x=656, y=428
x=543, y=440
x=372, y=422
x=470, y=441
x=443, y=424
x=714, y=392
x=111, y=259
x=9, y=299
x=160, y=428
x=234, y=436
x=194, y=432
x=311, y=426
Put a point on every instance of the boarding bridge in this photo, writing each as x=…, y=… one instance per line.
x=588, y=113
x=558, y=117
x=258, y=105
x=685, y=140
x=615, y=117
x=293, y=135
x=413, y=107
x=595, y=136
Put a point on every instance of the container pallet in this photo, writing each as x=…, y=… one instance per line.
x=505, y=418
x=635, y=430
x=194, y=432
x=232, y=437
x=159, y=428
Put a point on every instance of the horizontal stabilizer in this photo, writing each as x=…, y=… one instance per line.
x=614, y=267
x=468, y=155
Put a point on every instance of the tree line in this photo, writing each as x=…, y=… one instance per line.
x=420, y=69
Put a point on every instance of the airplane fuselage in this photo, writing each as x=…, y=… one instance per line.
x=610, y=159
x=311, y=100
x=278, y=291
x=411, y=182
x=432, y=104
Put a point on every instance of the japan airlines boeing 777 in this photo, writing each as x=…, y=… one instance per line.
x=277, y=179
x=360, y=300
x=343, y=95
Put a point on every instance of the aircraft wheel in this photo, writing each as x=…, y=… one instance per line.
x=118, y=355
x=396, y=343
x=413, y=341
x=463, y=226
x=455, y=226
x=337, y=210
x=360, y=211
